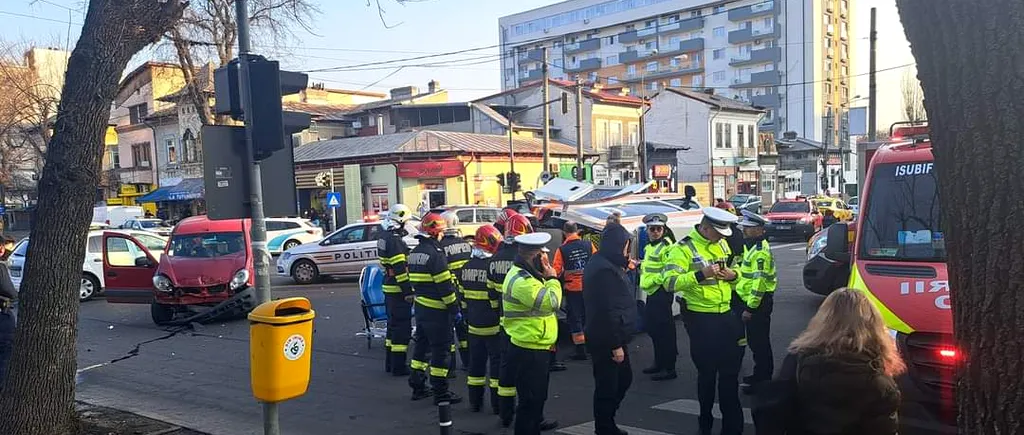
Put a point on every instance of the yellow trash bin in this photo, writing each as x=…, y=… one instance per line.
x=280, y=342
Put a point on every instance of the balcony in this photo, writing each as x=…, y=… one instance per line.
x=688, y=25
x=634, y=55
x=764, y=55
x=746, y=13
x=694, y=44
x=764, y=78
x=665, y=71
x=622, y=153
x=534, y=74
x=182, y=170
x=748, y=34
x=584, y=65
x=581, y=46
x=773, y=100
x=535, y=55
x=135, y=175
x=636, y=35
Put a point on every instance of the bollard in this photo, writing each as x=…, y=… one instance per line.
x=444, y=417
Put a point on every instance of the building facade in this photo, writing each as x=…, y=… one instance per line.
x=792, y=57
x=821, y=167
x=719, y=134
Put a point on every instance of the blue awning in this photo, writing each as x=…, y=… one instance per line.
x=187, y=190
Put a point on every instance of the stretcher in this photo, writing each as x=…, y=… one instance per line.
x=371, y=299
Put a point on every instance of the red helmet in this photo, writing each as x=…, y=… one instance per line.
x=517, y=225
x=432, y=224
x=505, y=214
x=488, y=238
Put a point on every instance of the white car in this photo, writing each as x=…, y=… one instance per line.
x=286, y=233
x=92, y=268
x=342, y=253
x=148, y=224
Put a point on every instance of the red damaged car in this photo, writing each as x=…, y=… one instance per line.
x=207, y=263
x=793, y=218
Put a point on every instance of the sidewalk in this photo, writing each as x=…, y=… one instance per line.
x=98, y=420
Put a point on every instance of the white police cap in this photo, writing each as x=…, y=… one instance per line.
x=751, y=219
x=537, y=240
x=720, y=220
x=655, y=219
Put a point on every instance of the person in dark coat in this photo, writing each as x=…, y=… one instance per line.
x=610, y=304
x=844, y=365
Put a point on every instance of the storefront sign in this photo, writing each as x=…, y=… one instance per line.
x=379, y=201
x=662, y=171
x=445, y=169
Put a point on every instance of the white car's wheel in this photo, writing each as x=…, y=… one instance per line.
x=291, y=244
x=305, y=272
x=87, y=288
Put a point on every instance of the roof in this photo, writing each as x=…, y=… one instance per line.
x=316, y=110
x=717, y=101
x=667, y=146
x=142, y=68
x=424, y=141
x=203, y=224
x=204, y=78
x=164, y=113
x=598, y=96
x=382, y=104
x=798, y=145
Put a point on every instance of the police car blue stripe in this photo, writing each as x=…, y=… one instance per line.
x=278, y=241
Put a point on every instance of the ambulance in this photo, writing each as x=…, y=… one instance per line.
x=895, y=252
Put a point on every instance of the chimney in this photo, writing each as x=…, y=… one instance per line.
x=433, y=86
x=380, y=124
x=789, y=135
x=404, y=92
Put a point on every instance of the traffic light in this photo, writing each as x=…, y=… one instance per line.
x=513, y=181
x=501, y=179
x=271, y=126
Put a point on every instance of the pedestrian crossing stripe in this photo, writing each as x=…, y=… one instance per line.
x=682, y=406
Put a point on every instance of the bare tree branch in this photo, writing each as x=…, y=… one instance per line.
x=913, y=98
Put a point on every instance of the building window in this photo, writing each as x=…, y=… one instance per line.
x=510, y=72
x=651, y=45
x=140, y=155
x=750, y=136
x=613, y=80
x=676, y=82
x=673, y=41
x=718, y=32
x=718, y=135
x=137, y=113
x=634, y=133
x=728, y=135
x=172, y=150
x=611, y=60
x=654, y=86
x=631, y=70
x=696, y=13
x=718, y=76
x=718, y=53
x=602, y=135
x=652, y=66
x=746, y=25
x=768, y=23
x=719, y=9
x=745, y=49
x=611, y=40
x=650, y=23
x=698, y=81
x=192, y=153
x=615, y=133
x=558, y=63
x=739, y=136
x=115, y=157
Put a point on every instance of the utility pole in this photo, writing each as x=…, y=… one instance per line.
x=511, y=152
x=334, y=210
x=261, y=257
x=872, y=94
x=581, y=170
x=642, y=147
x=547, y=110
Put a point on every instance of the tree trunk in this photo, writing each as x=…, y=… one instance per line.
x=39, y=392
x=971, y=66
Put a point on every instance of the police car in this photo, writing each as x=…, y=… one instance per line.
x=342, y=253
x=286, y=233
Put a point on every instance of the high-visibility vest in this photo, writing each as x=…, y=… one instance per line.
x=529, y=305
x=570, y=260
x=757, y=276
x=691, y=254
x=654, y=265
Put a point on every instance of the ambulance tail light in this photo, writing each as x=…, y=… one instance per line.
x=949, y=355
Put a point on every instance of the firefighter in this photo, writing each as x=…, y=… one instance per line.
x=498, y=268
x=392, y=252
x=458, y=251
x=436, y=306
x=660, y=324
x=570, y=259
x=503, y=217
x=756, y=288
x=530, y=297
x=716, y=335
x=482, y=317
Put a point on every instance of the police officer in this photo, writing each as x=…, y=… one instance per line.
x=392, y=252
x=659, y=321
x=531, y=295
x=436, y=306
x=716, y=335
x=458, y=251
x=756, y=288
x=482, y=317
x=500, y=264
x=570, y=259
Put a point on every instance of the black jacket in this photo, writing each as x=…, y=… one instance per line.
x=430, y=276
x=844, y=394
x=393, y=254
x=608, y=296
x=7, y=289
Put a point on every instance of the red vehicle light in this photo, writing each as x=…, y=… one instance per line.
x=311, y=232
x=911, y=132
x=949, y=354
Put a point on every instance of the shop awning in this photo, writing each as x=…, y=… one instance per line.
x=187, y=190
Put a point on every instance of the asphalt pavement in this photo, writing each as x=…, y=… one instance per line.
x=200, y=379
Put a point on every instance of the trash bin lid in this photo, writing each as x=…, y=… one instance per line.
x=283, y=311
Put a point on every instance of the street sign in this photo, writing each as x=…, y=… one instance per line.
x=3, y=210
x=334, y=199
x=323, y=179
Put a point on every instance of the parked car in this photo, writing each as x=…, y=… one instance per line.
x=743, y=201
x=116, y=215
x=854, y=204
x=286, y=233
x=207, y=262
x=92, y=281
x=792, y=218
x=342, y=253
x=157, y=226
x=838, y=207
x=471, y=217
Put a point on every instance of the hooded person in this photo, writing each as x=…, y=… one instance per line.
x=611, y=321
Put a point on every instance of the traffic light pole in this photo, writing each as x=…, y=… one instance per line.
x=261, y=257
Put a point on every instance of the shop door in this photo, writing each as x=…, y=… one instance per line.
x=433, y=198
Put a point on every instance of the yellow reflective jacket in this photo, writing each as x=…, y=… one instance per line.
x=691, y=254
x=756, y=275
x=652, y=269
x=529, y=305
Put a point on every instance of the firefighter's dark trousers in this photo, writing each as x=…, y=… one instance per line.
x=484, y=366
x=433, y=335
x=399, y=331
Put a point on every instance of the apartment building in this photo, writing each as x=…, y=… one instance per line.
x=792, y=57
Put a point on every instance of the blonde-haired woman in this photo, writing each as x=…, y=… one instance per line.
x=844, y=364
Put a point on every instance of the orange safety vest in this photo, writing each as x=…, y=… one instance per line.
x=570, y=259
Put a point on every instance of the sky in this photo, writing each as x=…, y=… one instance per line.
x=349, y=33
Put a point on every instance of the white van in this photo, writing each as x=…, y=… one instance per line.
x=115, y=216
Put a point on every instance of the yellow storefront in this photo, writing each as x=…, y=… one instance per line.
x=127, y=193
